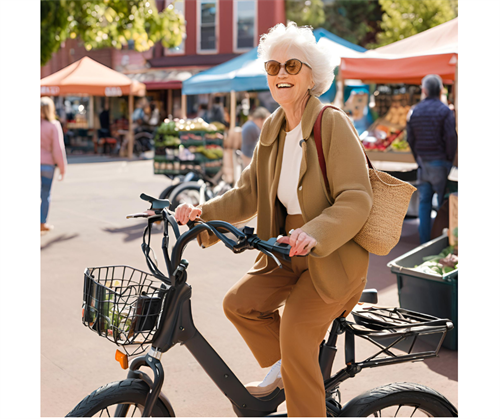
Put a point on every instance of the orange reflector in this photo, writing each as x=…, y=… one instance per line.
x=122, y=359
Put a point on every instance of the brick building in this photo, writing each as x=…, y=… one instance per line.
x=216, y=31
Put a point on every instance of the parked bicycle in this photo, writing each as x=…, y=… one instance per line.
x=197, y=188
x=135, y=309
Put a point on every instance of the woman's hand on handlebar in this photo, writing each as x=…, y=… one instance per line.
x=300, y=242
x=186, y=212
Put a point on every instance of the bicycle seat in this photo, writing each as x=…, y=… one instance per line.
x=156, y=204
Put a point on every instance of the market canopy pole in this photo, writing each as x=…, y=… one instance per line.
x=130, y=128
x=183, y=107
x=233, y=110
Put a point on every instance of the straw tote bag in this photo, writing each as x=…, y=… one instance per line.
x=391, y=198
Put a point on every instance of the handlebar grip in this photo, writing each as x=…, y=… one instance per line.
x=137, y=215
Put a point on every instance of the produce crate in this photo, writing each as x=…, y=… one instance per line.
x=167, y=161
x=427, y=293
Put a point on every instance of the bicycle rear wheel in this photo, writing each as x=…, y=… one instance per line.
x=400, y=400
x=119, y=399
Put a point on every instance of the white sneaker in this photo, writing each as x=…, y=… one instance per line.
x=271, y=381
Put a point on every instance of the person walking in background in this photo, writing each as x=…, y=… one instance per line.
x=433, y=141
x=250, y=132
x=203, y=111
x=52, y=153
x=216, y=113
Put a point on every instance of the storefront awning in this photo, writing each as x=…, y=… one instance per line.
x=166, y=78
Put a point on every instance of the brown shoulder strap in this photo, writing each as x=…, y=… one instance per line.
x=319, y=146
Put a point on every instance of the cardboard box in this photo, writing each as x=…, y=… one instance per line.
x=453, y=200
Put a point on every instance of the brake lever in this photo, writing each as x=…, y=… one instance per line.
x=274, y=257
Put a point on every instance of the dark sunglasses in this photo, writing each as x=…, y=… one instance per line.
x=292, y=66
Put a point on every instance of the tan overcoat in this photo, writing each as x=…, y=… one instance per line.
x=338, y=265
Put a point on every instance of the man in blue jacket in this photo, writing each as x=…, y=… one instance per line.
x=433, y=141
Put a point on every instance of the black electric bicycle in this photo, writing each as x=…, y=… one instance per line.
x=134, y=309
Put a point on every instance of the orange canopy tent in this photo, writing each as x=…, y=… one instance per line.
x=434, y=51
x=88, y=77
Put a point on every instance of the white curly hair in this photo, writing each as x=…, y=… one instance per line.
x=281, y=36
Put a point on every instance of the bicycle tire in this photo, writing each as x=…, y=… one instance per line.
x=397, y=397
x=129, y=391
x=175, y=197
x=166, y=192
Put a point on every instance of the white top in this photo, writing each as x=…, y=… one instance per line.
x=290, y=168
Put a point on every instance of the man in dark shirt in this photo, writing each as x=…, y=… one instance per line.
x=250, y=132
x=433, y=141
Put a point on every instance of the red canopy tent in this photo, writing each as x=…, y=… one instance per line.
x=88, y=77
x=434, y=51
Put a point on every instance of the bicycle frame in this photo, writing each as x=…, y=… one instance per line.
x=176, y=326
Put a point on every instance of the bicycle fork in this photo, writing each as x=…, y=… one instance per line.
x=152, y=360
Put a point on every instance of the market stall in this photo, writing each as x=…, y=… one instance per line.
x=88, y=78
x=398, y=69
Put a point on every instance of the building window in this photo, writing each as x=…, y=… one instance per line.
x=179, y=9
x=245, y=12
x=207, y=32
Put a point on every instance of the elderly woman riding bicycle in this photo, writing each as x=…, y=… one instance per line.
x=284, y=187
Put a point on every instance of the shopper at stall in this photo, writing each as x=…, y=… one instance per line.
x=250, y=132
x=433, y=141
x=216, y=113
x=52, y=153
x=283, y=186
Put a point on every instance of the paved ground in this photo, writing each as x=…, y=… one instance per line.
x=88, y=210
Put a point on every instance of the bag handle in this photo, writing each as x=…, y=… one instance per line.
x=321, y=156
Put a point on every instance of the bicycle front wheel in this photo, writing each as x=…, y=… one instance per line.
x=119, y=399
x=400, y=400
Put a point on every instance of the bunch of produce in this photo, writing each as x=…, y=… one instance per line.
x=166, y=141
x=197, y=124
x=380, y=138
x=211, y=152
x=400, y=144
x=167, y=128
x=440, y=264
x=397, y=115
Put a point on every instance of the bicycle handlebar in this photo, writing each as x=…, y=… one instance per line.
x=246, y=239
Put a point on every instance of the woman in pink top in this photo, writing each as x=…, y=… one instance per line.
x=52, y=153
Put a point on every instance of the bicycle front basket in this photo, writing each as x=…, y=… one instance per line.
x=123, y=304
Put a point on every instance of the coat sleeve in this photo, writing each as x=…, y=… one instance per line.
x=349, y=181
x=236, y=205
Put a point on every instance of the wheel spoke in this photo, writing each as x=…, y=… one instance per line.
x=135, y=408
x=397, y=411
x=416, y=407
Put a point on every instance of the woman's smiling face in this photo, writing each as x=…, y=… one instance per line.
x=292, y=87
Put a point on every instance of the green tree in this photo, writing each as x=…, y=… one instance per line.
x=356, y=21
x=309, y=12
x=404, y=18
x=108, y=23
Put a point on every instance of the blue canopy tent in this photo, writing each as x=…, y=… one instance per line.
x=246, y=72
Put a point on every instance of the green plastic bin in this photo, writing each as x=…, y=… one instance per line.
x=426, y=293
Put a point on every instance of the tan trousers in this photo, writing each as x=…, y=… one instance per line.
x=252, y=306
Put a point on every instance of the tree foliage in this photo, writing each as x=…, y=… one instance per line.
x=404, y=18
x=309, y=12
x=108, y=23
x=354, y=20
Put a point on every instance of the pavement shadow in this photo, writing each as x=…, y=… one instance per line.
x=58, y=239
x=132, y=232
x=445, y=364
